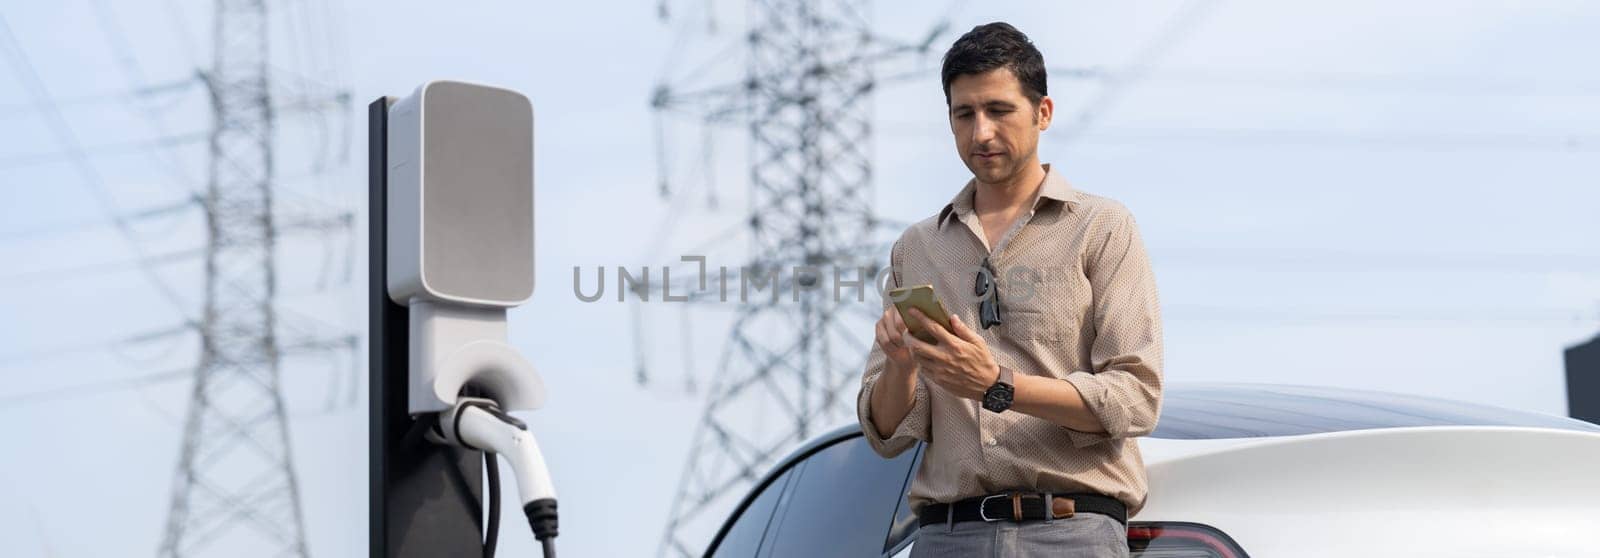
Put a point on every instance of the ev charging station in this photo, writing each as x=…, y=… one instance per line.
x=450, y=178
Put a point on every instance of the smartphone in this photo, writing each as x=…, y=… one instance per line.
x=919, y=297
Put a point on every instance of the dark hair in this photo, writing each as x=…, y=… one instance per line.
x=996, y=45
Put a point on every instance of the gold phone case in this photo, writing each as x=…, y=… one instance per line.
x=920, y=297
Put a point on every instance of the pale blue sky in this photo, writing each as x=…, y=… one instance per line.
x=1358, y=194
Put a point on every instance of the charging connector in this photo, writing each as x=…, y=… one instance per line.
x=479, y=424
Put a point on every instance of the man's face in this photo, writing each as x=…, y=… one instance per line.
x=996, y=128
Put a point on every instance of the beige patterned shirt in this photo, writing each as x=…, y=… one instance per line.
x=1093, y=319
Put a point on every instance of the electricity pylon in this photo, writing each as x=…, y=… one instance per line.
x=235, y=490
x=806, y=101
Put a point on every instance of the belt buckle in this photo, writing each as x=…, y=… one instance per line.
x=983, y=505
x=983, y=512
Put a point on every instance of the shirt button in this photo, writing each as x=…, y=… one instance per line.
x=992, y=442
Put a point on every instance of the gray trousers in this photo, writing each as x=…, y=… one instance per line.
x=1084, y=535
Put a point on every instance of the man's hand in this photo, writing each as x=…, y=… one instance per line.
x=896, y=389
x=891, y=335
x=960, y=361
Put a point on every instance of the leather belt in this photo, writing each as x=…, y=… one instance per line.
x=1023, y=506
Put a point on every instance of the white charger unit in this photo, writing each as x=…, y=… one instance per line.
x=460, y=229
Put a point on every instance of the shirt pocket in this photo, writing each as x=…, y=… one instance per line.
x=1037, y=303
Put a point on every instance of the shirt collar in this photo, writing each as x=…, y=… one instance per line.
x=1055, y=187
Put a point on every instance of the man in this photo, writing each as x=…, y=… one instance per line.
x=1031, y=401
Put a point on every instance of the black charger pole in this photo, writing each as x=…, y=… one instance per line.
x=425, y=499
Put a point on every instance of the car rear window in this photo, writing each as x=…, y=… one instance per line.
x=1253, y=411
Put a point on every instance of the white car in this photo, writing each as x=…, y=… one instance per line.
x=1252, y=470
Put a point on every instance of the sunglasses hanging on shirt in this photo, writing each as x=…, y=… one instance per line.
x=985, y=286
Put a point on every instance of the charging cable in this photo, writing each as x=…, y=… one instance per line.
x=477, y=423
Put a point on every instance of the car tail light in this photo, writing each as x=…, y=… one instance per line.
x=1180, y=540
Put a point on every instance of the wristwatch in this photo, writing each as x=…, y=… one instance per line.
x=998, y=397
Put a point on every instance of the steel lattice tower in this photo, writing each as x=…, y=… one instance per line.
x=806, y=100
x=235, y=488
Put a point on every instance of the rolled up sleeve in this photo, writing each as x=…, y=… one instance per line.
x=912, y=428
x=915, y=426
x=1124, y=389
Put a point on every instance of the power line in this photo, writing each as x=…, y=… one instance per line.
x=1346, y=82
x=1260, y=137
x=1531, y=317
x=135, y=146
x=123, y=52
x=88, y=271
x=93, y=388
x=1380, y=140
x=29, y=76
x=180, y=27
x=67, y=227
x=17, y=109
x=1176, y=29
x=1326, y=260
x=1316, y=81
x=91, y=346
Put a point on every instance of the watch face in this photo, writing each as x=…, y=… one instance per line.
x=998, y=398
